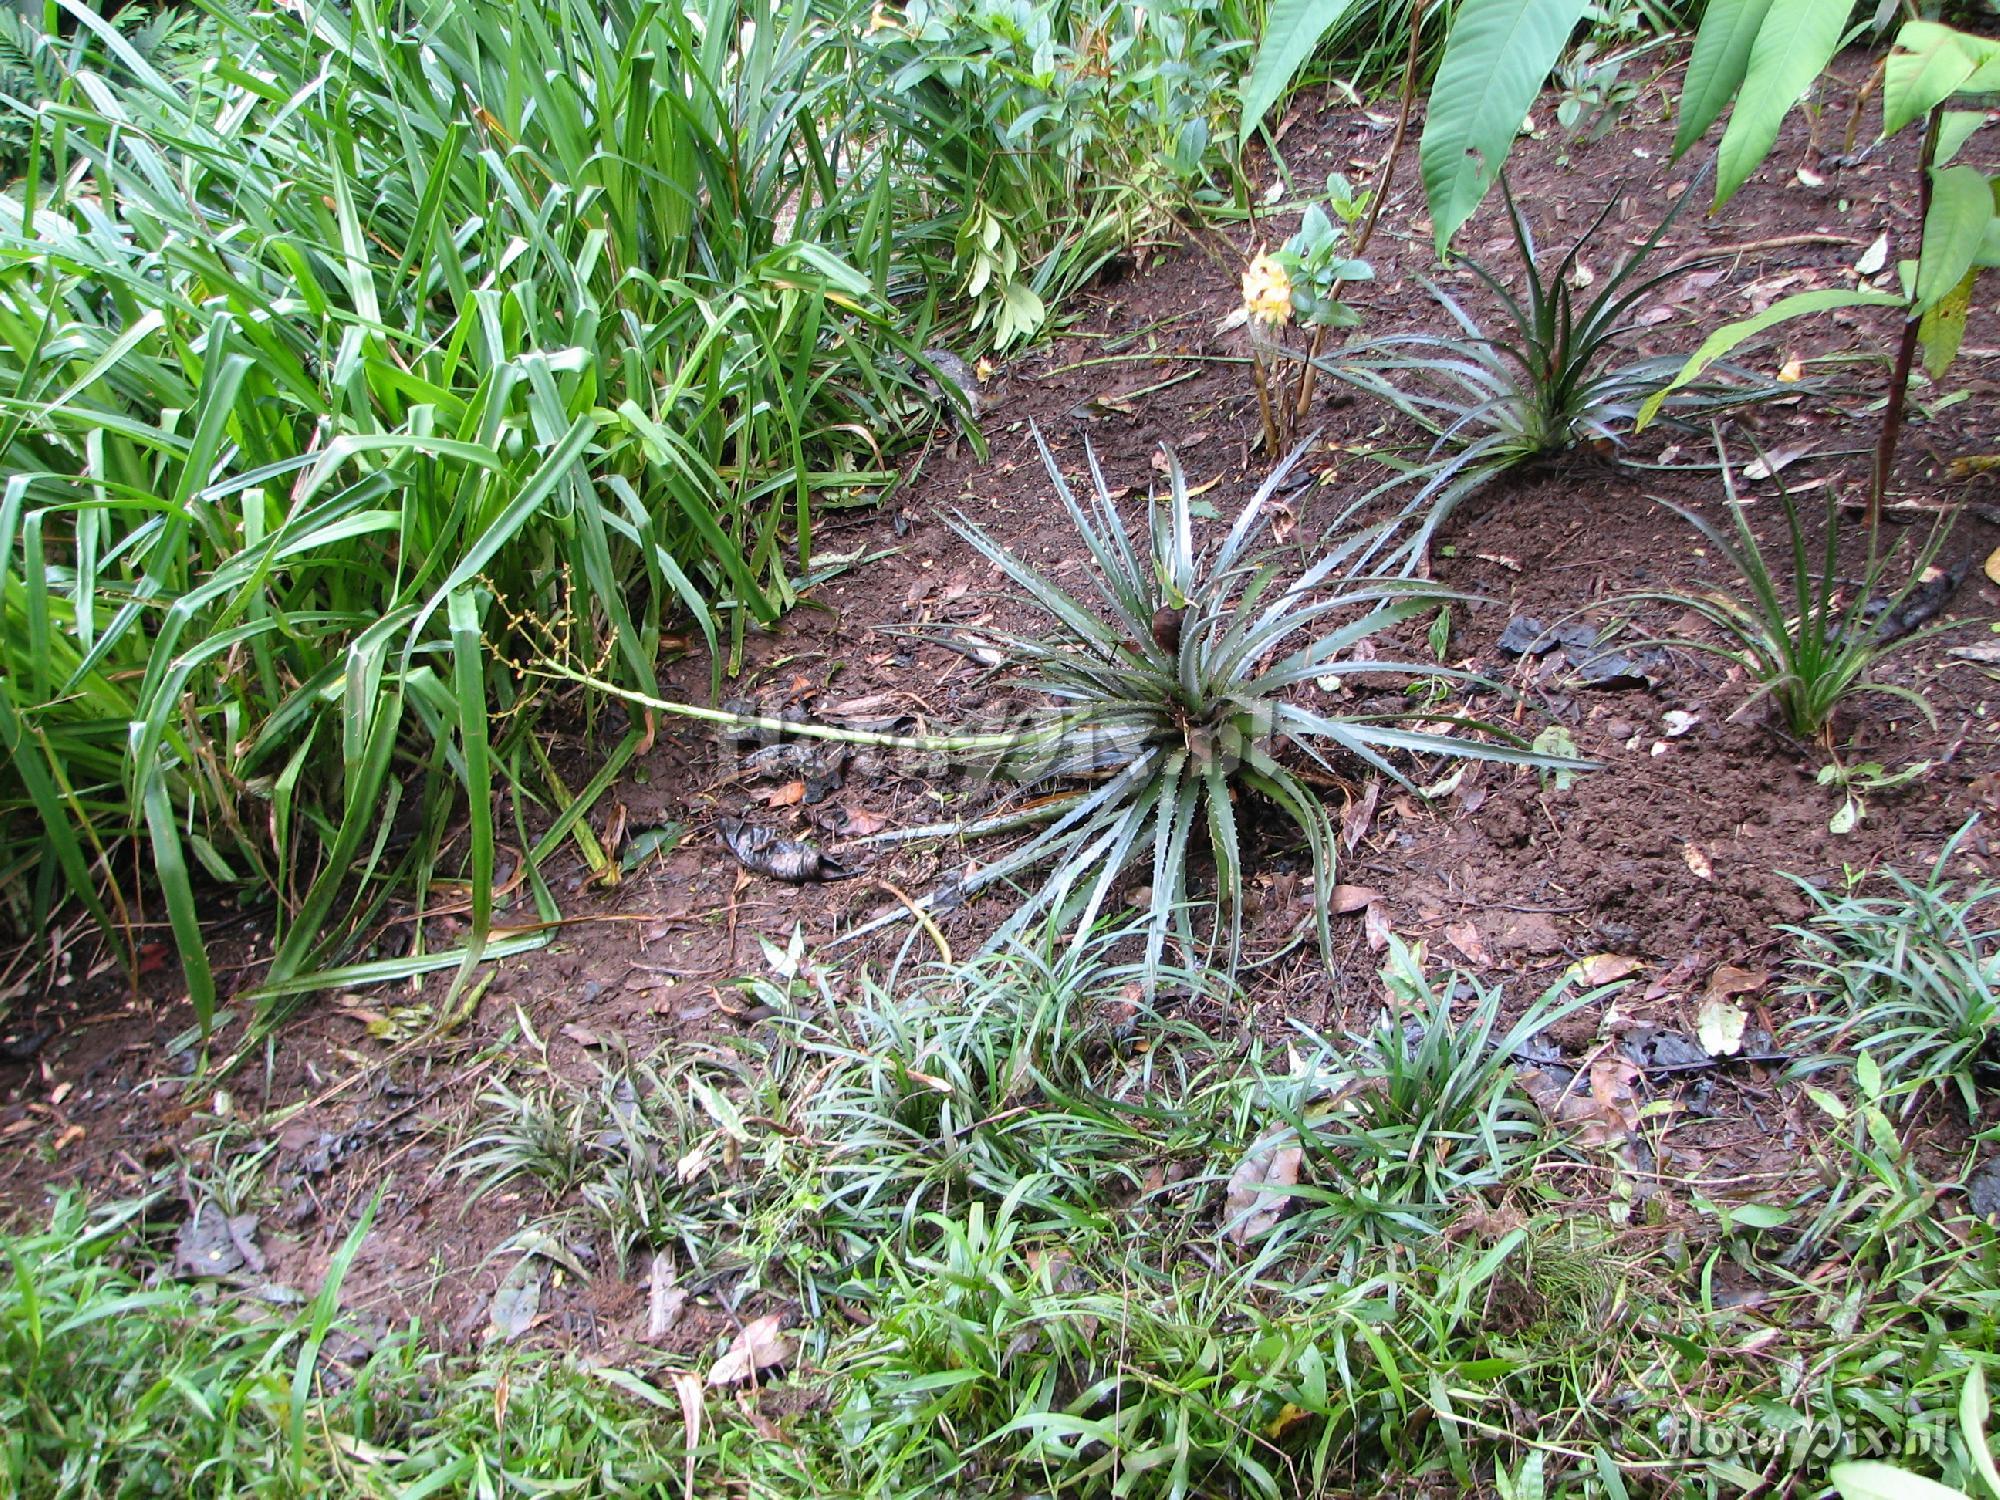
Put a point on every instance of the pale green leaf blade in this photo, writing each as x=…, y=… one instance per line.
x=1943, y=327
x=1955, y=128
x=1930, y=64
x=1793, y=46
x=1873, y=1481
x=1961, y=208
x=1973, y=1411
x=1291, y=31
x=1715, y=69
x=1727, y=337
x=1495, y=62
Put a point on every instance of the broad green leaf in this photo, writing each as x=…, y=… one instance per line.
x=1930, y=63
x=1872, y=1481
x=1989, y=245
x=1291, y=31
x=1793, y=46
x=1727, y=337
x=1955, y=128
x=1961, y=208
x=1715, y=69
x=1495, y=62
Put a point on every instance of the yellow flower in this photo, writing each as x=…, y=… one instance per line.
x=1267, y=292
x=879, y=19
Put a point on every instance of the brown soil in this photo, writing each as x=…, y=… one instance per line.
x=1675, y=853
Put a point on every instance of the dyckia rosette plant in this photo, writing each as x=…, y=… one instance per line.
x=1181, y=686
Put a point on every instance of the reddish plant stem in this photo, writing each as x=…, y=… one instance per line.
x=1906, y=352
x=1308, y=378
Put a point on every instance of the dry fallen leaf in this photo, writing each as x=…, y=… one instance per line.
x=1603, y=968
x=687, y=1386
x=761, y=1346
x=1697, y=862
x=1257, y=1198
x=1359, y=814
x=1464, y=936
x=1613, y=1087
x=1875, y=257
x=1992, y=568
x=860, y=823
x=515, y=1303
x=1793, y=369
x=1352, y=898
x=665, y=1297
x=1781, y=459
x=1728, y=981
x=1375, y=928
x=791, y=794
x=1605, y=1116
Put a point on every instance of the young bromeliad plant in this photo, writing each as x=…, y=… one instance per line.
x=1808, y=644
x=1551, y=373
x=1179, y=692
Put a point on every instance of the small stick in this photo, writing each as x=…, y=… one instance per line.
x=923, y=919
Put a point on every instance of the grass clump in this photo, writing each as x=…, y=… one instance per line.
x=1910, y=979
x=1808, y=643
x=1404, y=1125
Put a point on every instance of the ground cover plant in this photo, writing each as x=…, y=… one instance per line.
x=982, y=1203
x=1550, y=374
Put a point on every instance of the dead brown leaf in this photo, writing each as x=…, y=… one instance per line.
x=760, y=1346
x=1256, y=1199
x=687, y=1386
x=861, y=822
x=1464, y=936
x=665, y=1297
x=1348, y=899
x=1359, y=815
x=1673, y=980
x=1697, y=862
x=1728, y=981
x=1375, y=928
x=1604, y=968
x=791, y=794
x=1606, y=1116
x=1614, y=1089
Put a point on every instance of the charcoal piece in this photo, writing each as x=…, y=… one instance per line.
x=1613, y=670
x=1920, y=606
x=763, y=851
x=1653, y=1048
x=1983, y=1188
x=1526, y=636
